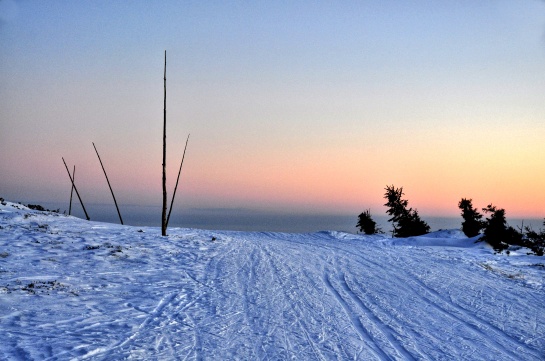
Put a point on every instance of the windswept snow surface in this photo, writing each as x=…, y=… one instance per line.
x=72, y=289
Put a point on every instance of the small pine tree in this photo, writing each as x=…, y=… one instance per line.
x=406, y=222
x=366, y=224
x=535, y=241
x=496, y=231
x=412, y=225
x=472, y=224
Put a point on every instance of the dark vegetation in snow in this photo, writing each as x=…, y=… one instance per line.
x=38, y=287
x=495, y=230
x=37, y=207
x=406, y=221
x=503, y=237
x=366, y=224
x=473, y=223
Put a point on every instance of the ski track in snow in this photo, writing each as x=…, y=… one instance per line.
x=77, y=290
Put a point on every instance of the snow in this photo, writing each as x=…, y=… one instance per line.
x=77, y=290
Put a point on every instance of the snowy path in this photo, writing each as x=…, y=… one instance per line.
x=108, y=292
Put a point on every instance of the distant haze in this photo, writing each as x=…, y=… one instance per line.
x=293, y=107
x=242, y=219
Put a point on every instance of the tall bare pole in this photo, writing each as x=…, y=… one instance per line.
x=72, y=191
x=164, y=214
x=176, y=186
x=77, y=193
x=107, y=180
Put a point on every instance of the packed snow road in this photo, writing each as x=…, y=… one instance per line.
x=71, y=289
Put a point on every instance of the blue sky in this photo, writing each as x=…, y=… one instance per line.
x=300, y=106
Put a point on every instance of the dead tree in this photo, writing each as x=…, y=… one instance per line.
x=108, y=181
x=164, y=213
x=77, y=193
x=72, y=191
x=176, y=186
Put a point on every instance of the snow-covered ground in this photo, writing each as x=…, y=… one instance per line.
x=72, y=289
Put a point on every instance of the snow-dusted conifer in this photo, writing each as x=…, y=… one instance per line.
x=472, y=224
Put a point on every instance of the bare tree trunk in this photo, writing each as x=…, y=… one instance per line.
x=72, y=192
x=107, y=180
x=176, y=186
x=77, y=193
x=164, y=214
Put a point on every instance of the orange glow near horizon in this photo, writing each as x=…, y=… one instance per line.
x=286, y=113
x=345, y=178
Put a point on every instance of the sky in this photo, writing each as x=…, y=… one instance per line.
x=292, y=106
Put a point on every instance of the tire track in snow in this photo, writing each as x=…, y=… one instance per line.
x=197, y=343
x=166, y=300
x=451, y=311
x=391, y=318
x=339, y=346
x=377, y=323
x=237, y=297
x=325, y=260
x=332, y=344
x=162, y=339
x=329, y=255
x=295, y=307
x=457, y=313
x=160, y=324
x=412, y=285
x=287, y=346
x=365, y=335
x=250, y=297
x=474, y=323
x=279, y=290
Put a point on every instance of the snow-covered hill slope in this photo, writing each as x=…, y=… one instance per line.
x=72, y=289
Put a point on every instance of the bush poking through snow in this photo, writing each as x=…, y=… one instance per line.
x=38, y=207
x=38, y=287
x=472, y=224
x=496, y=231
x=535, y=241
x=366, y=224
x=406, y=222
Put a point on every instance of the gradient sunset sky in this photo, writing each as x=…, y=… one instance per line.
x=295, y=106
